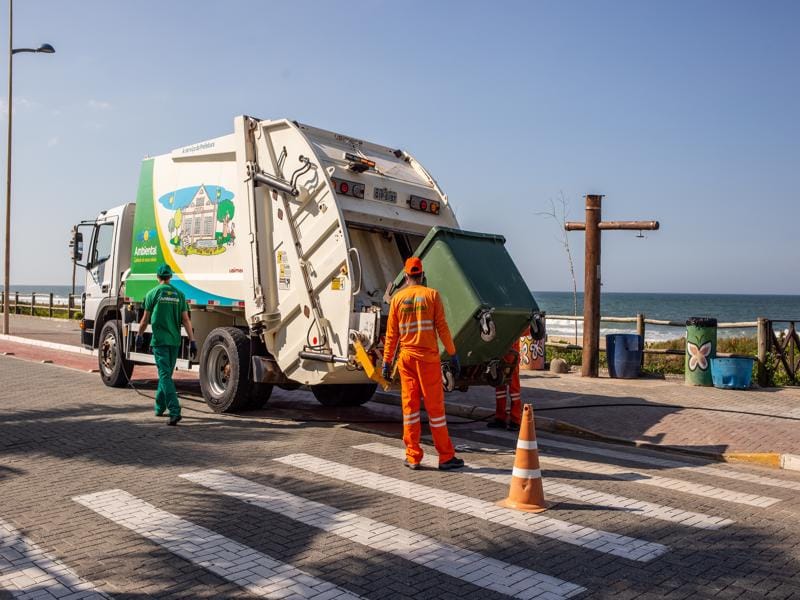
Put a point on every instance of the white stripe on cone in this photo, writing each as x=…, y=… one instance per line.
x=527, y=444
x=526, y=473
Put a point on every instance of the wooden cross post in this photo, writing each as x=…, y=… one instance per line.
x=591, y=287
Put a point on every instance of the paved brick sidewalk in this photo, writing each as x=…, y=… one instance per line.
x=97, y=496
x=713, y=420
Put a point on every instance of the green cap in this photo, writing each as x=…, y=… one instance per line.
x=164, y=271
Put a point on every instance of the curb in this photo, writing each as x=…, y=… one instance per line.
x=774, y=460
x=51, y=345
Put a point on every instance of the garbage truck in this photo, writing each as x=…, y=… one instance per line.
x=288, y=242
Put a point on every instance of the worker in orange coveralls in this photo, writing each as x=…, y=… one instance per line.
x=416, y=316
x=499, y=421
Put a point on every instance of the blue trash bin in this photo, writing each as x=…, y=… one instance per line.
x=624, y=352
x=734, y=373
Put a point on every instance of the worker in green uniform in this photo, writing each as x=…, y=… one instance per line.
x=165, y=307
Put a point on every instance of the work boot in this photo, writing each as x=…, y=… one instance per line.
x=160, y=413
x=453, y=463
x=513, y=426
x=174, y=420
x=496, y=424
x=412, y=465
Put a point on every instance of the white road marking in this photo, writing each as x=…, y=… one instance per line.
x=713, y=470
x=570, y=533
x=678, y=485
x=258, y=573
x=27, y=571
x=587, y=496
x=451, y=560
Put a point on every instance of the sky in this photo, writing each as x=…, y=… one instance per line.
x=681, y=111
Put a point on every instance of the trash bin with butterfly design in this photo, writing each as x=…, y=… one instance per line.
x=701, y=347
x=531, y=348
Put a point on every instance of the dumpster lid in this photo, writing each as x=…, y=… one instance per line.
x=442, y=231
x=701, y=321
x=437, y=232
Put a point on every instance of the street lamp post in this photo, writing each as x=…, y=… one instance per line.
x=45, y=49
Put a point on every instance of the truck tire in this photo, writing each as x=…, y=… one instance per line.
x=115, y=369
x=350, y=394
x=259, y=396
x=224, y=368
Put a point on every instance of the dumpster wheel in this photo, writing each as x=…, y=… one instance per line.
x=494, y=374
x=487, y=326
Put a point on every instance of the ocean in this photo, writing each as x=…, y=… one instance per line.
x=670, y=307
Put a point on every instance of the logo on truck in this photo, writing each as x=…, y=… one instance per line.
x=202, y=223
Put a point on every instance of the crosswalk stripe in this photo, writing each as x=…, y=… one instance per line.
x=588, y=496
x=570, y=533
x=29, y=572
x=259, y=574
x=451, y=560
x=715, y=471
x=678, y=485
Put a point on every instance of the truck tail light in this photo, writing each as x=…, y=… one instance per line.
x=348, y=188
x=424, y=205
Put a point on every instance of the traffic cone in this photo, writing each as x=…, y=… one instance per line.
x=525, y=492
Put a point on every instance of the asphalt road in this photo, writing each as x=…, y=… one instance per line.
x=98, y=498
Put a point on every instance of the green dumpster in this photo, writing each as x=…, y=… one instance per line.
x=701, y=347
x=487, y=302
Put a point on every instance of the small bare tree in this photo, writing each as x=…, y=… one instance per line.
x=559, y=211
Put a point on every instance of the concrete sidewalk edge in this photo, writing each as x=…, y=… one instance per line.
x=51, y=345
x=773, y=460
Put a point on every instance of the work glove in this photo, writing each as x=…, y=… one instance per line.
x=386, y=371
x=193, y=351
x=139, y=343
x=455, y=366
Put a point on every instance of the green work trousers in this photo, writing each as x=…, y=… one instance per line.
x=166, y=394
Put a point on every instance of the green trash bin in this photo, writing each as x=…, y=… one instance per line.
x=487, y=302
x=701, y=347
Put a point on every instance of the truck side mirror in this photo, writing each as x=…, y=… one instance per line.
x=76, y=243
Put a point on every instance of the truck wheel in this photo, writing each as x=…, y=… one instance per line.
x=115, y=369
x=224, y=362
x=259, y=396
x=350, y=394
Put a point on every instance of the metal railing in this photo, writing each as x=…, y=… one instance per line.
x=42, y=304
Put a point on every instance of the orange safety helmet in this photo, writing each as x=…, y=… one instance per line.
x=413, y=266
